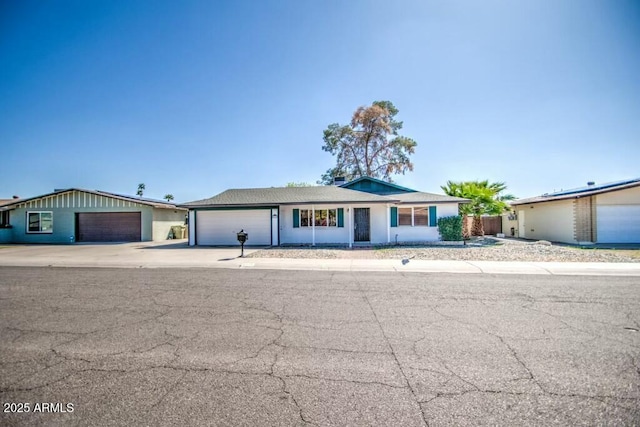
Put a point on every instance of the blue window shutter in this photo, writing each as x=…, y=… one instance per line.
x=340, y=217
x=296, y=218
x=394, y=216
x=433, y=221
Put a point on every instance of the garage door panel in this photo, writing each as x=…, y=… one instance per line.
x=220, y=228
x=618, y=224
x=109, y=227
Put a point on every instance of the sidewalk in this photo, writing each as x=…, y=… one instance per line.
x=178, y=255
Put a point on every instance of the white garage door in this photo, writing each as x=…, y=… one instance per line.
x=220, y=227
x=618, y=224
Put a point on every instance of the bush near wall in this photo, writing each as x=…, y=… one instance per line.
x=450, y=228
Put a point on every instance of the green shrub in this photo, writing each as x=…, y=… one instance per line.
x=450, y=228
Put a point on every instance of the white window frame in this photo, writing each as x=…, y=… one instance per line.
x=312, y=218
x=413, y=216
x=40, y=231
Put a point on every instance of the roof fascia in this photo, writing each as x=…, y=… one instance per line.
x=575, y=195
x=368, y=178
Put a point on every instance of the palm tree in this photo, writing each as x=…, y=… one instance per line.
x=168, y=197
x=486, y=198
x=141, y=189
x=460, y=189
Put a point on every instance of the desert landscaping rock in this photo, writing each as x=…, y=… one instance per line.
x=488, y=249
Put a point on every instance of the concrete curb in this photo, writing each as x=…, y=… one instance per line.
x=346, y=265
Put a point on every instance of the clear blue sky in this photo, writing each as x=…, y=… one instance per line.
x=194, y=97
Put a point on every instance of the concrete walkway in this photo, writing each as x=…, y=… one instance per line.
x=179, y=255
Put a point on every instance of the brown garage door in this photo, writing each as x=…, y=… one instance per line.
x=108, y=227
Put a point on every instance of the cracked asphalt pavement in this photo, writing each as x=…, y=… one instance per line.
x=263, y=347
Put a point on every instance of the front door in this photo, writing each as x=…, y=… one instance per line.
x=362, y=225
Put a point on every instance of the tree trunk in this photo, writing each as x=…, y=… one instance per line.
x=477, y=229
x=466, y=234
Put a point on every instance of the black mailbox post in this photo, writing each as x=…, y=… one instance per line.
x=242, y=238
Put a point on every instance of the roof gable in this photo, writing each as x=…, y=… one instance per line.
x=375, y=186
x=64, y=198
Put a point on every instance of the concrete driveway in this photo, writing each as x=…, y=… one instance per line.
x=169, y=253
x=260, y=347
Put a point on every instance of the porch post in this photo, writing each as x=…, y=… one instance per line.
x=313, y=226
x=388, y=223
x=349, y=213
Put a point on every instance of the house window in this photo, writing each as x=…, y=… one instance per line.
x=4, y=219
x=305, y=218
x=39, y=222
x=322, y=218
x=414, y=217
x=404, y=216
x=332, y=218
x=421, y=217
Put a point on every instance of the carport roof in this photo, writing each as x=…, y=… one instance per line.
x=576, y=193
x=288, y=196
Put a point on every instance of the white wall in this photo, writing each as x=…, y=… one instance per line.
x=552, y=221
x=303, y=235
x=379, y=218
x=407, y=233
x=378, y=215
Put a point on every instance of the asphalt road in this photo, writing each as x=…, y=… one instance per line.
x=261, y=347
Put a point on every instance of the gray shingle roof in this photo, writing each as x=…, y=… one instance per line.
x=307, y=195
x=287, y=196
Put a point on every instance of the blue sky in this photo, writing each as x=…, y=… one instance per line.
x=194, y=97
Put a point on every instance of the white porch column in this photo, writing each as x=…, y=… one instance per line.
x=313, y=226
x=350, y=225
x=192, y=228
x=388, y=223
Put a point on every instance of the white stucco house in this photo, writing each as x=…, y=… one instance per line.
x=364, y=211
x=605, y=213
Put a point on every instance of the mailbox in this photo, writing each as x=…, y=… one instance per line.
x=242, y=238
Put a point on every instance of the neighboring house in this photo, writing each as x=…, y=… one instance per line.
x=606, y=213
x=76, y=215
x=365, y=210
x=5, y=227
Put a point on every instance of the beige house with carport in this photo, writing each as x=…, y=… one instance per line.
x=605, y=213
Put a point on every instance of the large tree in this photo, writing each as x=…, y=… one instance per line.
x=369, y=146
x=485, y=199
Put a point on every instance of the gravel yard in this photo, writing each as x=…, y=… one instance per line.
x=489, y=249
